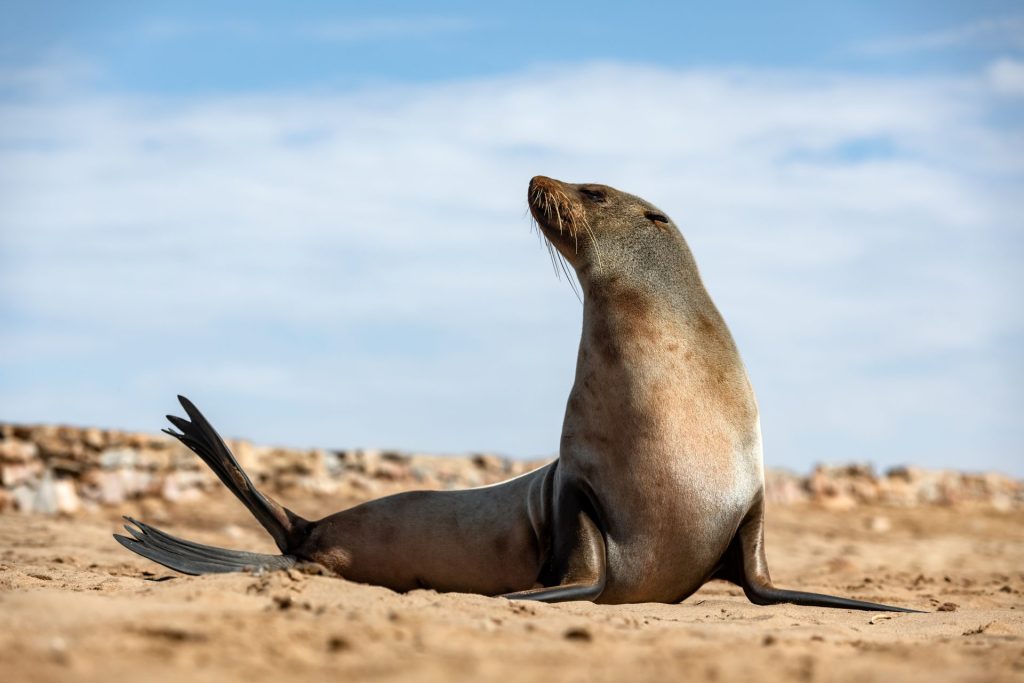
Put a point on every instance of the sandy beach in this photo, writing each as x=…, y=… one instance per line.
x=76, y=606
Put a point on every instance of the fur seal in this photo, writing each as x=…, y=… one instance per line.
x=659, y=483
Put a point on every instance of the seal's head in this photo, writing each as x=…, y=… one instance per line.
x=604, y=233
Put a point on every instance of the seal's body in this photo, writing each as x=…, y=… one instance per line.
x=659, y=482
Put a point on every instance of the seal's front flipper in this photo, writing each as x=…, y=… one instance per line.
x=194, y=558
x=577, y=569
x=573, y=591
x=748, y=567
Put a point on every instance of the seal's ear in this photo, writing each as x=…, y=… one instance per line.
x=658, y=219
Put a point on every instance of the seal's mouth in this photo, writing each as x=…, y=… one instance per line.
x=558, y=212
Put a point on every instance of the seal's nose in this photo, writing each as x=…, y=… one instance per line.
x=542, y=182
x=540, y=187
x=538, y=196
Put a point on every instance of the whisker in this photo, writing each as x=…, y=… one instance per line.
x=568, y=216
x=569, y=278
x=535, y=226
x=593, y=241
x=553, y=254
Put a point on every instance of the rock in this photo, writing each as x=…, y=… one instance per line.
x=23, y=432
x=61, y=443
x=361, y=484
x=897, y=491
x=396, y=456
x=116, y=458
x=903, y=473
x=282, y=461
x=785, y=488
x=421, y=475
x=153, y=459
x=488, y=463
x=138, y=440
x=23, y=497
x=45, y=498
x=109, y=489
x=392, y=471
x=94, y=438
x=115, y=438
x=367, y=460
x=864, y=490
x=18, y=451
x=69, y=434
x=330, y=462
x=65, y=496
x=180, y=458
x=181, y=487
x=138, y=483
x=245, y=454
x=12, y=474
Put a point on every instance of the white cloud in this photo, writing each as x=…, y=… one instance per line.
x=1007, y=76
x=1005, y=32
x=57, y=75
x=356, y=267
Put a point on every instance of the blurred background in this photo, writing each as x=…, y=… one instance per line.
x=313, y=221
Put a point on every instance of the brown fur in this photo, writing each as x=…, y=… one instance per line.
x=661, y=397
x=658, y=486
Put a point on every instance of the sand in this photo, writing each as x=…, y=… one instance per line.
x=76, y=606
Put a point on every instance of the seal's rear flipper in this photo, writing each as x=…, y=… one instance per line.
x=748, y=567
x=762, y=595
x=285, y=526
x=195, y=558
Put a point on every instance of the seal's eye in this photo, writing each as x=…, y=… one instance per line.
x=596, y=195
x=655, y=217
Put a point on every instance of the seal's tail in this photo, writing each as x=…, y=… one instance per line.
x=287, y=528
x=194, y=558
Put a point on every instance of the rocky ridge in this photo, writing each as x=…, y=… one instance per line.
x=66, y=470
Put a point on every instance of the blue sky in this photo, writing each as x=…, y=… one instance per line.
x=199, y=47
x=313, y=222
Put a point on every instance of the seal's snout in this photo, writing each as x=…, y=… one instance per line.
x=554, y=206
x=539, y=196
x=557, y=208
x=542, y=181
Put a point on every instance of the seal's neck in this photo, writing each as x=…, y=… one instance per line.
x=638, y=324
x=638, y=348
